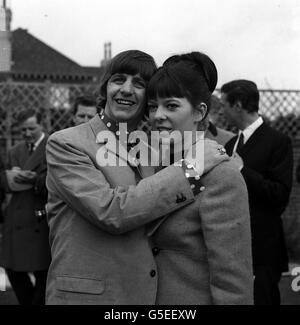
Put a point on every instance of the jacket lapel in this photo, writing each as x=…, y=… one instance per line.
x=253, y=140
x=249, y=145
x=230, y=145
x=120, y=150
x=34, y=160
x=145, y=171
x=22, y=156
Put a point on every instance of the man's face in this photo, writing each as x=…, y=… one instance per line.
x=31, y=130
x=228, y=111
x=125, y=97
x=84, y=114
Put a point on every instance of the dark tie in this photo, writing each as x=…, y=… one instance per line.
x=30, y=148
x=240, y=143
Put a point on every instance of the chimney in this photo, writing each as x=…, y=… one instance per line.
x=109, y=51
x=107, y=54
x=5, y=38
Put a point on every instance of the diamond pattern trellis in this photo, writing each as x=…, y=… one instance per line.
x=54, y=101
x=281, y=108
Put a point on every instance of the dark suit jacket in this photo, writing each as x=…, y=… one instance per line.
x=25, y=235
x=298, y=172
x=2, y=192
x=268, y=172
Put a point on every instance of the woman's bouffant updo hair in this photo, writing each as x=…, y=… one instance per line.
x=130, y=62
x=192, y=75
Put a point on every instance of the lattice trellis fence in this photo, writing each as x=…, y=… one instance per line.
x=280, y=108
x=55, y=101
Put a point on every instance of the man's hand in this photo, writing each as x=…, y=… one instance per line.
x=25, y=176
x=205, y=154
x=214, y=154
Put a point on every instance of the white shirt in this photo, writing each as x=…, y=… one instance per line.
x=248, y=131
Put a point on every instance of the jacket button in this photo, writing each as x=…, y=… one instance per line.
x=155, y=251
x=153, y=273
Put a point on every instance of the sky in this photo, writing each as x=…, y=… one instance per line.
x=251, y=39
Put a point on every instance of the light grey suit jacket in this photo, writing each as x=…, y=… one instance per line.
x=204, y=249
x=96, y=215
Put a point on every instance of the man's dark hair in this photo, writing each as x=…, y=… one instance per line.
x=26, y=114
x=85, y=100
x=130, y=62
x=244, y=91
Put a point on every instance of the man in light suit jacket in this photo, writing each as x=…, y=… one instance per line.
x=266, y=161
x=25, y=231
x=100, y=250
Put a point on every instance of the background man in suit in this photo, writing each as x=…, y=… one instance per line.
x=266, y=161
x=84, y=109
x=25, y=231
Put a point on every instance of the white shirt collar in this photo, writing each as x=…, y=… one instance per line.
x=251, y=129
x=248, y=131
x=41, y=138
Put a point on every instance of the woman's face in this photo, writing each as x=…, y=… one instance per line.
x=125, y=97
x=170, y=114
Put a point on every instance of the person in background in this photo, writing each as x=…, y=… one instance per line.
x=214, y=132
x=203, y=250
x=85, y=108
x=25, y=231
x=265, y=157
